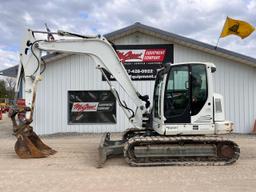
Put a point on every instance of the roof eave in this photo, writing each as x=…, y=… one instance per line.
x=138, y=27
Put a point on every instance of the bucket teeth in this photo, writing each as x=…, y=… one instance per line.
x=40, y=145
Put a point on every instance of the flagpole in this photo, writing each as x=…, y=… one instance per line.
x=220, y=34
x=217, y=43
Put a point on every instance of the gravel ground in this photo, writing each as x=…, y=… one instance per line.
x=73, y=169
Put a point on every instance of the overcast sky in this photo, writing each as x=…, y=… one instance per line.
x=196, y=19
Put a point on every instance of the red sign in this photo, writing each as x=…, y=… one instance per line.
x=84, y=107
x=142, y=55
x=154, y=55
x=142, y=61
x=127, y=55
x=21, y=102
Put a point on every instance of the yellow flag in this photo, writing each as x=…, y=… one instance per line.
x=236, y=27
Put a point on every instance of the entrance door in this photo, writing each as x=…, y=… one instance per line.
x=177, y=95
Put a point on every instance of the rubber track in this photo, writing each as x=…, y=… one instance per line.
x=178, y=162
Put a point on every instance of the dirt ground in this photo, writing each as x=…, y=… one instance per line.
x=73, y=169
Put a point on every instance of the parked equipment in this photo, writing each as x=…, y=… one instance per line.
x=181, y=127
x=5, y=104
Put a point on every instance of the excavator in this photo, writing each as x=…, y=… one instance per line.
x=183, y=126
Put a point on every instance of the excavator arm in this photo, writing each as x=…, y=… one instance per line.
x=30, y=70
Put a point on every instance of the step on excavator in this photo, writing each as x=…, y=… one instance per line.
x=183, y=126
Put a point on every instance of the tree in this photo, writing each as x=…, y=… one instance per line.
x=7, y=88
x=3, y=91
x=10, y=87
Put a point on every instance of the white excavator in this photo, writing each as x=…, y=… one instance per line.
x=181, y=126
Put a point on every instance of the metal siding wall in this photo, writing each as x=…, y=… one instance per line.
x=139, y=38
x=235, y=81
x=74, y=73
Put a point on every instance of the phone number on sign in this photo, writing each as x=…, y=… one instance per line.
x=140, y=70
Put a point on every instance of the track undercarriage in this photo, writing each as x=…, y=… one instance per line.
x=147, y=148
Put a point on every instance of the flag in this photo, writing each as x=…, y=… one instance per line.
x=236, y=27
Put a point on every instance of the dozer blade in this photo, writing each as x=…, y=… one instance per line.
x=31, y=146
x=108, y=148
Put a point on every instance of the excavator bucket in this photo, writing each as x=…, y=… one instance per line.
x=31, y=146
x=28, y=144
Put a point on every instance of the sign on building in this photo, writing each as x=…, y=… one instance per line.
x=142, y=61
x=91, y=107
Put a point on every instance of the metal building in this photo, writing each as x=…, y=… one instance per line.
x=67, y=76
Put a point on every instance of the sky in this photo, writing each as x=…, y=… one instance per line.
x=196, y=19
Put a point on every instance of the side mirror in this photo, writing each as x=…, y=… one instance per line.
x=213, y=69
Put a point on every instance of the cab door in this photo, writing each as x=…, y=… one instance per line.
x=177, y=96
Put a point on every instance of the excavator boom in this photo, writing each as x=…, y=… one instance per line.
x=104, y=56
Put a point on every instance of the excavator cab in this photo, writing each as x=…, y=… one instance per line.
x=183, y=95
x=182, y=116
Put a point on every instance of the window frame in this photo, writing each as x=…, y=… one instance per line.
x=188, y=108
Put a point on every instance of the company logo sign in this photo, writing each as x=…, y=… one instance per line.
x=142, y=61
x=141, y=55
x=84, y=106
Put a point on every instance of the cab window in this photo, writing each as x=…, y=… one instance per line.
x=198, y=87
x=177, y=94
